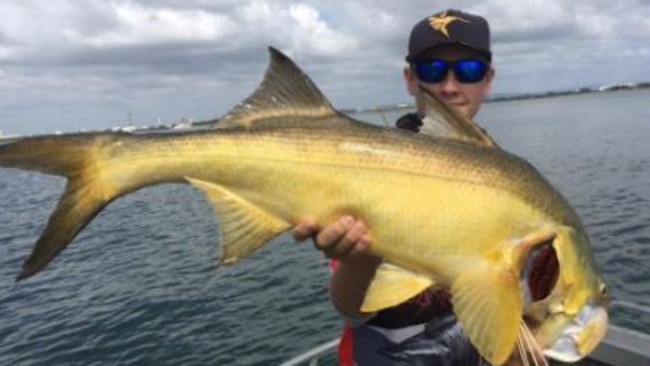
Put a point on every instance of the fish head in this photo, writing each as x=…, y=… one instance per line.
x=570, y=319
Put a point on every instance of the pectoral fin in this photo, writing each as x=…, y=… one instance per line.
x=442, y=121
x=488, y=304
x=392, y=285
x=244, y=226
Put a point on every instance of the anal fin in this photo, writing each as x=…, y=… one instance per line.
x=244, y=226
x=393, y=285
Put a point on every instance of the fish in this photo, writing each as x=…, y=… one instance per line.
x=447, y=208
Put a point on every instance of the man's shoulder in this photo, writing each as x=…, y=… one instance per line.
x=409, y=121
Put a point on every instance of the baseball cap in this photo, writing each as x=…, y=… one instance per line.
x=450, y=27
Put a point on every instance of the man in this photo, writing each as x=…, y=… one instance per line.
x=448, y=56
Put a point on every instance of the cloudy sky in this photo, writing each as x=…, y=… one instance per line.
x=67, y=65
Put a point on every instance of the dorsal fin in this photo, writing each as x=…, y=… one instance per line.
x=442, y=121
x=285, y=91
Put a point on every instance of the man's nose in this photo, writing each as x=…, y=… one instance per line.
x=449, y=84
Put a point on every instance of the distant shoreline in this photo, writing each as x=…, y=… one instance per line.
x=552, y=94
x=524, y=96
x=206, y=124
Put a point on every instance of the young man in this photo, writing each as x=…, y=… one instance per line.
x=449, y=56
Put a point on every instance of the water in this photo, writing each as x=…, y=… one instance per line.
x=141, y=285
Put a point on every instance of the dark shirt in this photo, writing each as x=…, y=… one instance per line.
x=409, y=121
x=418, y=310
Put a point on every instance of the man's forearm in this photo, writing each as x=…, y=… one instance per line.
x=349, y=284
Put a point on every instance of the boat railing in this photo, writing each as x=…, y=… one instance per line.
x=621, y=347
x=312, y=356
x=630, y=305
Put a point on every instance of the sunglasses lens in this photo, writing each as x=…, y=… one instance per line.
x=470, y=71
x=431, y=71
x=435, y=71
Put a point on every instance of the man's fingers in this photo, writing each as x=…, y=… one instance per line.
x=330, y=235
x=345, y=239
x=304, y=230
x=359, y=249
x=340, y=238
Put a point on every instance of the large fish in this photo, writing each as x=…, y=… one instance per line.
x=448, y=208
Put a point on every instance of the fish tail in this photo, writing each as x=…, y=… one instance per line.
x=78, y=158
x=77, y=207
x=62, y=155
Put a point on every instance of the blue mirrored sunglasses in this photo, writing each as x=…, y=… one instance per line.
x=465, y=71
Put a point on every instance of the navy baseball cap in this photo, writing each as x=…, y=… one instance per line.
x=447, y=28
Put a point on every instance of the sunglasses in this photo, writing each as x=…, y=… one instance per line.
x=466, y=71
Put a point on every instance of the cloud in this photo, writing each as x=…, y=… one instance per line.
x=95, y=60
x=136, y=25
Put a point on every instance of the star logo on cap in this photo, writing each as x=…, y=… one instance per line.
x=442, y=21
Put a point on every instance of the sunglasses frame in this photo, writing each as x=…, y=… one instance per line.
x=457, y=66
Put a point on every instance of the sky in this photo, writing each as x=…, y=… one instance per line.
x=71, y=65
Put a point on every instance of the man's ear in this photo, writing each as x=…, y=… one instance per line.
x=412, y=85
x=488, y=78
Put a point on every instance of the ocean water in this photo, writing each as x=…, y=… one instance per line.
x=141, y=285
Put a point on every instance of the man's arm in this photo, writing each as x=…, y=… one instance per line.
x=347, y=241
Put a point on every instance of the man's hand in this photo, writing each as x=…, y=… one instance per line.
x=346, y=239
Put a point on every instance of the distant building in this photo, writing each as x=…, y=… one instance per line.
x=4, y=137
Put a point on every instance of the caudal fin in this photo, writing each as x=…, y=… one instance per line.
x=78, y=158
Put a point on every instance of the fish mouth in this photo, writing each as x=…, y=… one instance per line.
x=581, y=336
